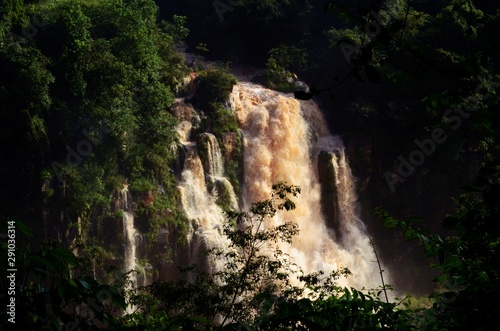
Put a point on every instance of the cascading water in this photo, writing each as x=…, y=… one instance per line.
x=206, y=217
x=214, y=163
x=214, y=169
x=130, y=246
x=129, y=235
x=347, y=200
x=282, y=138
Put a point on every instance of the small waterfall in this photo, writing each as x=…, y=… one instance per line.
x=184, y=131
x=213, y=166
x=282, y=140
x=129, y=235
x=347, y=199
x=198, y=202
x=214, y=163
x=347, y=215
x=130, y=246
x=206, y=217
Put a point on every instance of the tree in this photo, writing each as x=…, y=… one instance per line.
x=260, y=288
x=50, y=289
x=468, y=258
x=85, y=89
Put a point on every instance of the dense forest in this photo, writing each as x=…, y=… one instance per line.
x=113, y=112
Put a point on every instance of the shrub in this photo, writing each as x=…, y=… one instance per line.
x=212, y=88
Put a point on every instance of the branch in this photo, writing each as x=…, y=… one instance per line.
x=380, y=270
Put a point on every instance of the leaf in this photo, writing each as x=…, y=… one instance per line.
x=390, y=222
x=24, y=228
x=64, y=255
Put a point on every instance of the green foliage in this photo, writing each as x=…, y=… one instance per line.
x=84, y=91
x=52, y=290
x=213, y=88
x=177, y=29
x=254, y=290
x=280, y=67
x=141, y=186
x=245, y=31
x=468, y=258
x=277, y=77
x=465, y=15
x=212, y=92
x=223, y=121
x=350, y=309
x=11, y=10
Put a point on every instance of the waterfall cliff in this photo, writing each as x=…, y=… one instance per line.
x=283, y=140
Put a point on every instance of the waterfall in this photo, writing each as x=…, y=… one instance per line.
x=347, y=199
x=347, y=216
x=214, y=169
x=282, y=138
x=214, y=163
x=129, y=235
x=198, y=202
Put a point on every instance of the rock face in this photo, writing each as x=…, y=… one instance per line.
x=187, y=88
x=258, y=79
x=173, y=251
x=301, y=86
x=329, y=199
x=230, y=142
x=184, y=112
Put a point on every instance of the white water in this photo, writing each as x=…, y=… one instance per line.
x=205, y=216
x=282, y=138
x=129, y=235
x=279, y=145
x=214, y=169
x=215, y=165
x=130, y=246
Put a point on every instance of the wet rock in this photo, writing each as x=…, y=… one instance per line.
x=329, y=198
x=182, y=111
x=230, y=142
